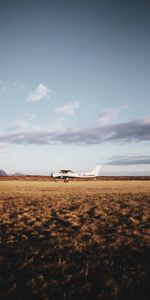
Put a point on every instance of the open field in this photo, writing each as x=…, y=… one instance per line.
x=80, y=240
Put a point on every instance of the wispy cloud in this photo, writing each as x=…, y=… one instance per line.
x=134, y=131
x=12, y=86
x=18, y=84
x=58, y=123
x=39, y=93
x=30, y=117
x=107, y=116
x=21, y=124
x=3, y=87
x=68, y=108
x=129, y=160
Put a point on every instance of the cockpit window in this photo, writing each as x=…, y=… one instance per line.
x=65, y=171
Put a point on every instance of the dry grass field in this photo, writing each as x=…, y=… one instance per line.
x=80, y=240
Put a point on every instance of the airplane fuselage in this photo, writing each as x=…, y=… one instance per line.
x=63, y=174
x=72, y=175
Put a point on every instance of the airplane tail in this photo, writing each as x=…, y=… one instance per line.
x=96, y=170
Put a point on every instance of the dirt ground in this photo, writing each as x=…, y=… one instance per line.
x=76, y=240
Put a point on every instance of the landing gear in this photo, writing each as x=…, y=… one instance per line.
x=66, y=180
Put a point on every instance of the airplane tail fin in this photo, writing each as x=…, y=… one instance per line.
x=96, y=170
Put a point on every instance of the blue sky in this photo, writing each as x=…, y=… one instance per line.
x=75, y=86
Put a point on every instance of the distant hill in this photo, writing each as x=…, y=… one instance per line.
x=18, y=174
x=3, y=173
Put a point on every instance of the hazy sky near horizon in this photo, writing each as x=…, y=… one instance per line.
x=75, y=86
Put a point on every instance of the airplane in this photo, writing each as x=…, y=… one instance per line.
x=67, y=174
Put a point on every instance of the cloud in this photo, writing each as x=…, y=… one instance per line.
x=129, y=160
x=3, y=87
x=58, y=123
x=41, y=92
x=135, y=131
x=30, y=117
x=138, y=130
x=11, y=87
x=20, y=124
x=68, y=109
x=18, y=84
x=106, y=116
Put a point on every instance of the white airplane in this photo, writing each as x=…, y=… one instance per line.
x=66, y=174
